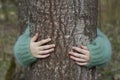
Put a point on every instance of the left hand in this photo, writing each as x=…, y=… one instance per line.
x=81, y=55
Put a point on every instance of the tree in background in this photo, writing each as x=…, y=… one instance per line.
x=68, y=23
x=4, y=9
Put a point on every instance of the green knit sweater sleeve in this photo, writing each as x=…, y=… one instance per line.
x=100, y=50
x=21, y=49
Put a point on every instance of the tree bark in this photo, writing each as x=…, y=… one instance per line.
x=69, y=23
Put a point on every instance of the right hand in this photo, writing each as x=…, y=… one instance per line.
x=41, y=49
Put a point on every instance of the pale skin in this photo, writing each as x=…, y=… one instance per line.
x=40, y=49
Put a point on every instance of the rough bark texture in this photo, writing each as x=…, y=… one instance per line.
x=68, y=23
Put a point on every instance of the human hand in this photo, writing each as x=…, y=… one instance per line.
x=81, y=55
x=41, y=49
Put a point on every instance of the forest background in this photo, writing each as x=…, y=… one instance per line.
x=108, y=22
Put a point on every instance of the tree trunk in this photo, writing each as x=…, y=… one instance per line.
x=69, y=23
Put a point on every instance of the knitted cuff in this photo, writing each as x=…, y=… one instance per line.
x=22, y=50
x=96, y=55
x=100, y=51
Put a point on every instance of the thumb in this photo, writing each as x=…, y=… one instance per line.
x=35, y=37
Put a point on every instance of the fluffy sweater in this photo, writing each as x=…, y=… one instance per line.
x=100, y=50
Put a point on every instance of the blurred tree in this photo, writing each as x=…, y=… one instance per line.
x=67, y=23
x=2, y=44
x=4, y=8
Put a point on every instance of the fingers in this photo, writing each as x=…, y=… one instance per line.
x=80, y=50
x=77, y=55
x=46, y=51
x=39, y=50
x=77, y=59
x=43, y=56
x=81, y=56
x=47, y=47
x=35, y=37
x=82, y=64
x=43, y=41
